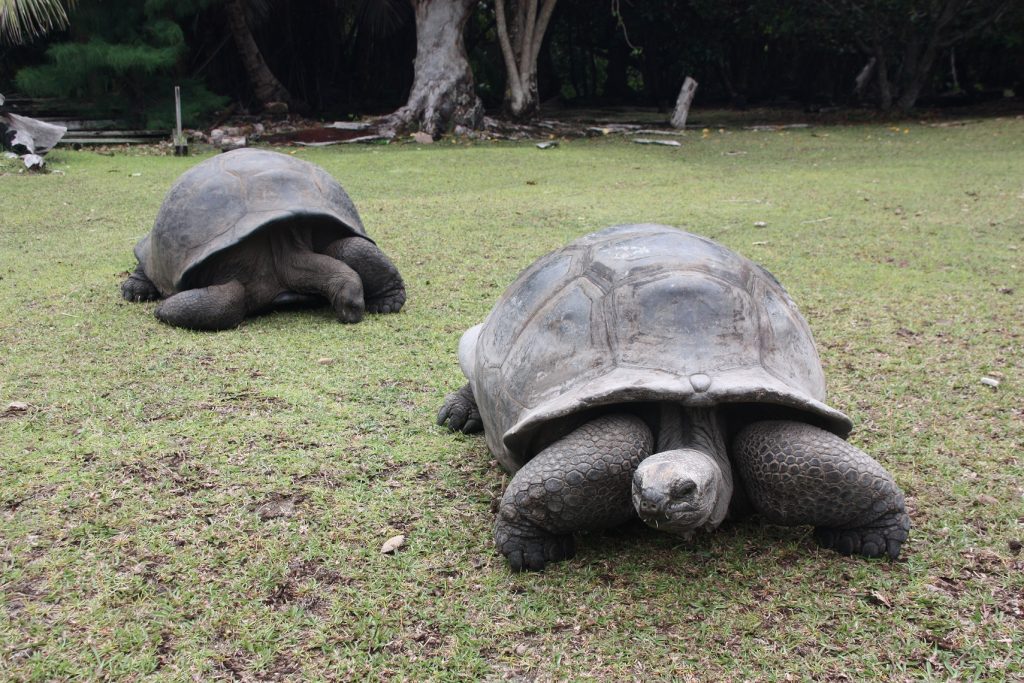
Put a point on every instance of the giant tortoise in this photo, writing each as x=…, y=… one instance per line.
x=252, y=230
x=645, y=370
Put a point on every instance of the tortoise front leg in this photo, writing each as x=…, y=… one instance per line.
x=218, y=307
x=383, y=287
x=796, y=473
x=138, y=287
x=580, y=482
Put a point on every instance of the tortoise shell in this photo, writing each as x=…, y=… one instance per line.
x=638, y=313
x=225, y=199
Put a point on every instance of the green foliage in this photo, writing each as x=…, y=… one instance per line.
x=134, y=543
x=127, y=67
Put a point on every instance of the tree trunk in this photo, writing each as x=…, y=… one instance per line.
x=443, y=93
x=683, y=103
x=520, y=47
x=264, y=84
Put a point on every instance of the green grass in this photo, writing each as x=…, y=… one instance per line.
x=131, y=539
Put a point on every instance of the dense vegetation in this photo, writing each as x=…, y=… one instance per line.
x=337, y=58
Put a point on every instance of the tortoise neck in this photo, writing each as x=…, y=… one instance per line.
x=699, y=429
x=691, y=427
x=704, y=431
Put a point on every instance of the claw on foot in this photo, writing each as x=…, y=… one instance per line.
x=883, y=538
x=460, y=412
x=531, y=549
x=387, y=304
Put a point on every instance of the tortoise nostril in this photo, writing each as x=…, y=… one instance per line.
x=648, y=507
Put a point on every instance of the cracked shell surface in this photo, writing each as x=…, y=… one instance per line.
x=640, y=313
x=219, y=202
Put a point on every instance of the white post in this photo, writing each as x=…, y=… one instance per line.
x=683, y=102
x=177, y=113
x=180, y=143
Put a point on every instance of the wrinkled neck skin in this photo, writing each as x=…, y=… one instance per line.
x=687, y=485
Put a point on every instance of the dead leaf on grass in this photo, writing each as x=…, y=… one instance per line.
x=392, y=544
x=15, y=408
x=879, y=598
x=278, y=507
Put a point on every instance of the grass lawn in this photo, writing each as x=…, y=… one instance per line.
x=185, y=505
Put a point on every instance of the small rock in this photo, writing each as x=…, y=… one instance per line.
x=423, y=138
x=990, y=382
x=392, y=544
x=276, y=108
x=229, y=143
x=547, y=145
x=33, y=162
x=325, y=361
x=760, y=224
x=521, y=650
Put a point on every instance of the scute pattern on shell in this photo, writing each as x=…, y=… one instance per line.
x=222, y=200
x=640, y=313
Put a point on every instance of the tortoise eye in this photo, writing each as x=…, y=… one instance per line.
x=682, y=489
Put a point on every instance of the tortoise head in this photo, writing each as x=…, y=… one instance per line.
x=680, y=491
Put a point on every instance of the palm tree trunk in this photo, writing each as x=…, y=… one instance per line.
x=264, y=84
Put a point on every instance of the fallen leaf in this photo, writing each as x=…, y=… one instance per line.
x=392, y=544
x=325, y=361
x=15, y=407
x=985, y=499
x=880, y=598
x=276, y=508
x=760, y=224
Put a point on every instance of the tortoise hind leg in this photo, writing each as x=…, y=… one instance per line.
x=303, y=271
x=218, y=307
x=138, y=287
x=383, y=287
x=460, y=412
x=795, y=473
x=582, y=481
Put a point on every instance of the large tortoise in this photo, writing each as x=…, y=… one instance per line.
x=645, y=370
x=252, y=230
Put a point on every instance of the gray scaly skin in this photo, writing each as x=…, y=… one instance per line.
x=601, y=475
x=578, y=483
x=275, y=268
x=798, y=474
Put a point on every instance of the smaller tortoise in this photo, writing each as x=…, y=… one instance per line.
x=644, y=370
x=252, y=230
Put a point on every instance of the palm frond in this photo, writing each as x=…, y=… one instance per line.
x=23, y=20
